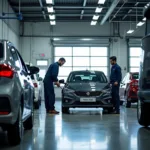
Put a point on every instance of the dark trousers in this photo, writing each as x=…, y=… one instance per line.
x=115, y=97
x=49, y=94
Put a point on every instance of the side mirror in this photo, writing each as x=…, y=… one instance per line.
x=33, y=70
x=62, y=81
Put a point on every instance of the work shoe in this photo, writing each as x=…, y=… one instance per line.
x=116, y=112
x=53, y=112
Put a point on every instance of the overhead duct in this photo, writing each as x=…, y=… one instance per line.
x=110, y=10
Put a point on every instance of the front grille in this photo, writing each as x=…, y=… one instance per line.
x=88, y=94
x=4, y=105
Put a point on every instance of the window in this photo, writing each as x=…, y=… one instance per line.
x=42, y=73
x=82, y=58
x=1, y=50
x=134, y=58
x=42, y=62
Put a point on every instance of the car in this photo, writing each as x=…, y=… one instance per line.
x=37, y=87
x=16, y=93
x=129, y=88
x=86, y=89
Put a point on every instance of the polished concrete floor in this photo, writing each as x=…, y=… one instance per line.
x=83, y=130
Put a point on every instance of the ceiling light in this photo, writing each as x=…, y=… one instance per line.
x=136, y=3
x=93, y=23
x=148, y=4
x=56, y=39
x=144, y=19
x=52, y=17
x=50, y=9
x=140, y=23
x=49, y=1
x=130, y=31
x=53, y=23
x=86, y=39
x=95, y=17
x=98, y=10
x=101, y=1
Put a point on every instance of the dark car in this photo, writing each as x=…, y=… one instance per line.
x=86, y=89
x=143, y=111
x=129, y=88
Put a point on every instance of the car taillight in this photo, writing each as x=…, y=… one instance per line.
x=35, y=85
x=6, y=71
x=134, y=83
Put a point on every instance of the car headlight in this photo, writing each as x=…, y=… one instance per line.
x=67, y=91
x=106, y=91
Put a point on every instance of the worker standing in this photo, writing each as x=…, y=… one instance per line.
x=115, y=79
x=50, y=79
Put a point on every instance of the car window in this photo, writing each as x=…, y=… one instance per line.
x=24, y=68
x=15, y=57
x=1, y=50
x=87, y=77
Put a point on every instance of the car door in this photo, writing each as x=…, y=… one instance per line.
x=122, y=87
x=27, y=88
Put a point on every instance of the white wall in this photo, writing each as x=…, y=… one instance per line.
x=9, y=28
x=36, y=39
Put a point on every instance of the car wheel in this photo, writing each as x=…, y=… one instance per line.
x=28, y=124
x=15, y=132
x=143, y=111
x=36, y=105
x=65, y=110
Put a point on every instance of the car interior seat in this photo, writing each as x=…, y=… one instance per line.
x=78, y=78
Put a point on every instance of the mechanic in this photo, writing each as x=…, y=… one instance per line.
x=50, y=78
x=115, y=79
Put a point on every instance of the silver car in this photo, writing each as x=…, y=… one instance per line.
x=86, y=89
x=16, y=93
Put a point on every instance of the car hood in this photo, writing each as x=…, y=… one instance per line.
x=92, y=86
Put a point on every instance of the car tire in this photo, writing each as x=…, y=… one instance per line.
x=15, y=132
x=28, y=124
x=143, y=111
x=65, y=110
x=36, y=105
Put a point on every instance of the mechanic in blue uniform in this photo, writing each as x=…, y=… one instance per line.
x=50, y=78
x=115, y=79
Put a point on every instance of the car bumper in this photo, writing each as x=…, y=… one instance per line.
x=74, y=101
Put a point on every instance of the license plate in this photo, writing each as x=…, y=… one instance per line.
x=87, y=99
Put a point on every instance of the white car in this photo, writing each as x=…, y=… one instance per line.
x=37, y=87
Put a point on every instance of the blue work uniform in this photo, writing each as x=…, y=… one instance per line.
x=50, y=77
x=115, y=76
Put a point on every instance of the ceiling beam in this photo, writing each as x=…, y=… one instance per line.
x=110, y=10
x=43, y=12
x=82, y=12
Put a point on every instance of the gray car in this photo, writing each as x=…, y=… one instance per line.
x=86, y=89
x=16, y=93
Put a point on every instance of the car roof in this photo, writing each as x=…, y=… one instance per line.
x=78, y=71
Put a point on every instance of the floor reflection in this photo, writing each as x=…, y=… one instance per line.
x=83, y=129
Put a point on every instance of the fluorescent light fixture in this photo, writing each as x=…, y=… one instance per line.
x=130, y=31
x=52, y=17
x=98, y=10
x=86, y=39
x=148, y=4
x=93, y=23
x=140, y=24
x=101, y=1
x=50, y=9
x=53, y=23
x=129, y=11
x=56, y=39
x=95, y=17
x=144, y=19
x=136, y=3
x=49, y=1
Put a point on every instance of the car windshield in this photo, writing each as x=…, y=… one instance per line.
x=87, y=76
x=135, y=76
x=1, y=51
